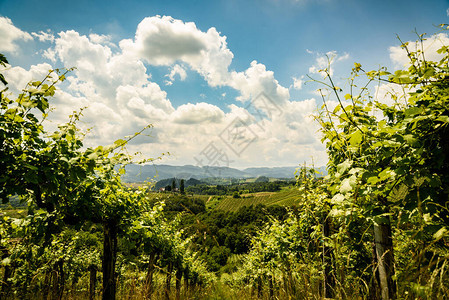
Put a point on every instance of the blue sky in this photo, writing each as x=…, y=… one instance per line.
x=191, y=68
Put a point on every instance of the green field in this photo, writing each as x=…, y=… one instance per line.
x=285, y=197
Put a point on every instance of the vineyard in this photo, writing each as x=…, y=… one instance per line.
x=375, y=228
x=285, y=197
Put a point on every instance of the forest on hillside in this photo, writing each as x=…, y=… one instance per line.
x=376, y=227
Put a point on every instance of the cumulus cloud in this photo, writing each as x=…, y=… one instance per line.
x=115, y=85
x=298, y=122
x=167, y=41
x=98, y=70
x=291, y=134
x=164, y=41
x=18, y=77
x=101, y=39
x=148, y=101
x=10, y=34
x=198, y=113
x=44, y=36
x=256, y=80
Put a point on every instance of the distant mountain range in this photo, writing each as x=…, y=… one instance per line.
x=137, y=173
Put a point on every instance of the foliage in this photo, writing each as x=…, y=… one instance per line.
x=284, y=197
x=388, y=158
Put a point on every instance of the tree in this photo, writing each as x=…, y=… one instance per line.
x=181, y=187
x=262, y=179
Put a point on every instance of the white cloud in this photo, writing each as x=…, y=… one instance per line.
x=164, y=41
x=433, y=43
x=148, y=94
x=77, y=50
x=298, y=123
x=199, y=113
x=293, y=134
x=10, y=34
x=97, y=68
x=256, y=80
x=176, y=70
x=101, y=39
x=18, y=77
x=326, y=62
x=115, y=85
x=342, y=57
x=44, y=36
x=321, y=62
x=298, y=82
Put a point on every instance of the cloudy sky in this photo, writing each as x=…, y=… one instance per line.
x=223, y=82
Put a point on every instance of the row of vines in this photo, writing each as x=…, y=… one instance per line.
x=79, y=213
x=377, y=226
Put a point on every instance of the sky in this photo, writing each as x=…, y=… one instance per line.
x=223, y=83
